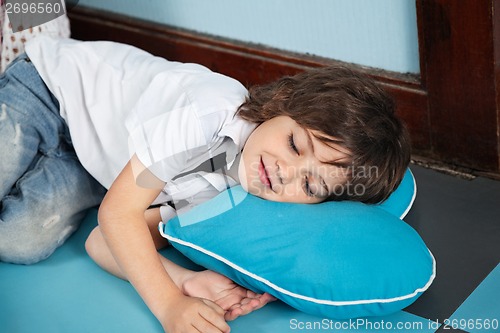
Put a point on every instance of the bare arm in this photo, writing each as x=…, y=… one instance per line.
x=124, y=228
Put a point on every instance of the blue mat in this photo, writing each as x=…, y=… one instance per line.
x=481, y=310
x=69, y=293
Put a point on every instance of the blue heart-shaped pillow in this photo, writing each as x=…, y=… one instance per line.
x=334, y=259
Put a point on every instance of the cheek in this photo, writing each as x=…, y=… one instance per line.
x=248, y=175
x=296, y=194
x=242, y=175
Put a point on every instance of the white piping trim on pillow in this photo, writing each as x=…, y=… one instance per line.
x=292, y=294
x=412, y=198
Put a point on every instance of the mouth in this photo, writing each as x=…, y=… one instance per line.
x=263, y=176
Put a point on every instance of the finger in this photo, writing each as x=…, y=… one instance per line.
x=229, y=300
x=219, y=310
x=235, y=306
x=252, y=294
x=195, y=329
x=266, y=298
x=235, y=296
x=234, y=313
x=204, y=326
x=250, y=304
x=214, y=315
x=249, y=307
x=209, y=326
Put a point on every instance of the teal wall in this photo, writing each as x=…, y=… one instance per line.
x=374, y=33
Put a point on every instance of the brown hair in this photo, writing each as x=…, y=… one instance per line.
x=351, y=108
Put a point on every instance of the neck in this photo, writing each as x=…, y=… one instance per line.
x=233, y=171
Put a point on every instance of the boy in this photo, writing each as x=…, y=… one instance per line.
x=141, y=125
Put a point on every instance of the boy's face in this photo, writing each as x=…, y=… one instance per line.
x=282, y=161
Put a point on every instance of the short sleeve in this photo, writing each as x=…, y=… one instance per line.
x=164, y=130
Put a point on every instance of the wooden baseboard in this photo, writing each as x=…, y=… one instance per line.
x=451, y=110
x=250, y=64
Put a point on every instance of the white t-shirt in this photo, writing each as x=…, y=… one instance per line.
x=119, y=100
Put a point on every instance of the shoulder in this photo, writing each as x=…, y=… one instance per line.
x=208, y=89
x=213, y=98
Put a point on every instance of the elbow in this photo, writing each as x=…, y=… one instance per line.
x=92, y=243
x=107, y=213
x=103, y=214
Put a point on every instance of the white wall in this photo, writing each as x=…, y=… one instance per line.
x=374, y=33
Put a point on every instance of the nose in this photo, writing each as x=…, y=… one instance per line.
x=290, y=171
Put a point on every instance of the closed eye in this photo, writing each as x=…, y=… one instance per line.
x=291, y=143
x=307, y=188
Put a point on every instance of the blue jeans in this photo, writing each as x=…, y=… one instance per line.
x=44, y=190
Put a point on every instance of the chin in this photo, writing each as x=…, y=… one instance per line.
x=263, y=194
x=245, y=186
x=255, y=190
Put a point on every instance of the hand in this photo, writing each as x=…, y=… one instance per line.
x=234, y=299
x=193, y=315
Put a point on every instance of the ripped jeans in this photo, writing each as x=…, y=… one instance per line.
x=44, y=190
